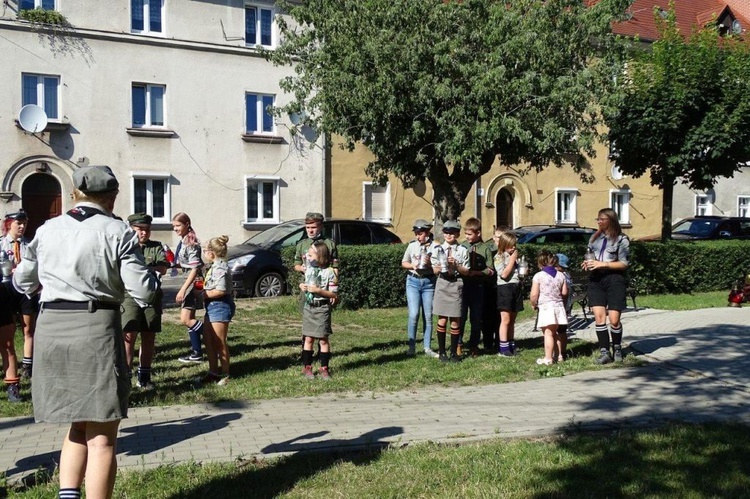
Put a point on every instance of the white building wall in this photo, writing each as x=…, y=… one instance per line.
x=206, y=79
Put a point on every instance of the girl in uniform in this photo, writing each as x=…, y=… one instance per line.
x=607, y=286
x=320, y=288
x=188, y=257
x=217, y=296
x=509, y=291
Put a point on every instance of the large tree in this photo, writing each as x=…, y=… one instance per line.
x=439, y=89
x=684, y=111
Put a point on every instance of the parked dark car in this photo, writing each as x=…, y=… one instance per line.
x=708, y=227
x=256, y=265
x=550, y=234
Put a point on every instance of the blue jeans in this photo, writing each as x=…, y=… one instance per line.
x=419, y=294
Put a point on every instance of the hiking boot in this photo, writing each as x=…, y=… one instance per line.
x=618, y=354
x=455, y=358
x=193, y=356
x=324, y=374
x=604, y=358
x=443, y=358
x=13, y=394
x=429, y=352
x=307, y=372
x=412, y=351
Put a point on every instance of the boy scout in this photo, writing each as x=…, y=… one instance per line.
x=146, y=320
x=314, y=231
x=480, y=269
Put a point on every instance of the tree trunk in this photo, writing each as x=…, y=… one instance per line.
x=666, y=207
x=450, y=189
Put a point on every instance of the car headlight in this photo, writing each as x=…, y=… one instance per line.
x=239, y=263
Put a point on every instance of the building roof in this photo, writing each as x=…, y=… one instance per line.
x=690, y=14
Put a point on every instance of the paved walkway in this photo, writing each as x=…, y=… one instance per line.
x=700, y=371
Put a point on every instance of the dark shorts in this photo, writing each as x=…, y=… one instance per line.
x=608, y=290
x=193, y=300
x=6, y=305
x=142, y=320
x=510, y=297
x=26, y=305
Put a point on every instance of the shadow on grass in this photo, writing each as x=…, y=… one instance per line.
x=672, y=461
x=282, y=475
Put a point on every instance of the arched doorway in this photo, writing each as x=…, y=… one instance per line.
x=41, y=197
x=504, y=211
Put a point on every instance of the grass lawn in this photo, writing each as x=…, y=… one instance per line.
x=677, y=460
x=369, y=354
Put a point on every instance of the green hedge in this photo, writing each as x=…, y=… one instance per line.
x=372, y=277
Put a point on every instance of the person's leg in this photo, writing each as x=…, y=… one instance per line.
x=28, y=325
x=325, y=357
x=427, y=293
x=602, y=334
x=489, y=318
x=10, y=362
x=146, y=357
x=307, y=356
x=465, y=305
x=504, y=326
x=101, y=465
x=130, y=337
x=476, y=310
x=210, y=341
x=549, y=342
x=195, y=329
x=561, y=342
x=615, y=329
x=220, y=331
x=441, y=324
x=73, y=457
x=455, y=337
x=413, y=299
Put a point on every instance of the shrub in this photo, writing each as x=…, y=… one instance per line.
x=40, y=16
x=372, y=277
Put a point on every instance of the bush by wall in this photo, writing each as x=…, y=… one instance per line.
x=372, y=277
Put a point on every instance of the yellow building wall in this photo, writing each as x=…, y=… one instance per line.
x=533, y=195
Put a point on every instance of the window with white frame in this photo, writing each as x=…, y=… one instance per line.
x=146, y=16
x=258, y=117
x=151, y=194
x=148, y=105
x=376, y=202
x=262, y=199
x=36, y=4
x=259, y=26
x=565, y=205
x=619, y=200
x=743, y=206
x=43, y=91
x=702, y=205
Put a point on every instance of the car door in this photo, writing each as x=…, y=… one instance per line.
x=354, y=233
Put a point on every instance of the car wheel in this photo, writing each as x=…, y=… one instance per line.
x=268, y=285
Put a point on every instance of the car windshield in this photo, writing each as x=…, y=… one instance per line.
x=274, y=234
x=696, y=227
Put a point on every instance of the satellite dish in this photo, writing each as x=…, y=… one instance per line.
x=616, y=173
x=32, y=118
x=297, y=118
x=736, y=27
x=310, y=133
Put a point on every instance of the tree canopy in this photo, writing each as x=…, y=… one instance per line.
x=438, y=90
x=683, y=112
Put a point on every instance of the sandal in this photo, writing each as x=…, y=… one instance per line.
x=544, y=362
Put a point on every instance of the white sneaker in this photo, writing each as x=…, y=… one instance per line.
x=430, y=353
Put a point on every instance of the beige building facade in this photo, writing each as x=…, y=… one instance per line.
x=173, y=96
x=504, y=197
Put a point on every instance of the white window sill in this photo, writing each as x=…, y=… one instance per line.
x=260, y=223
x=262, y=139
x=150, y=132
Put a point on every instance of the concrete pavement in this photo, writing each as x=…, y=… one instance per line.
x=698, y=371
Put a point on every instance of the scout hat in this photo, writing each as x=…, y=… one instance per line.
x=421, y=224
x=451, y=226
x=562, y=260
x=313, y=216
x=140, y=220
x=19, y=215
x=95, y=179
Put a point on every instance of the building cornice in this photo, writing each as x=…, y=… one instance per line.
x=129, y=38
